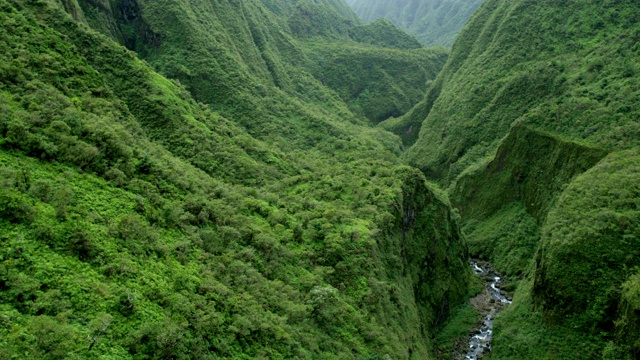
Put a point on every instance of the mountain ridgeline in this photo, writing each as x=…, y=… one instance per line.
x=432, y=22
x=190, y=180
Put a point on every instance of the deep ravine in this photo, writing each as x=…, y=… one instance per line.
x=489, y=303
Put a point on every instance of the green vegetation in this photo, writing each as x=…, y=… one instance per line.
x=456, y=329
x=523, y=332
x=239, y=210
x=382, y=32
x=376, y=83
x=249, y=63
x=313, y=19
x=514, y=62
x=213, y=179
x=578, y=297
x=433, y=22
x=532, y=126
x=369, y=66
x=503, y=201
x=592, y=242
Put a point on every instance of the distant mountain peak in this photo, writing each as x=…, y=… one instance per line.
x=432, y=22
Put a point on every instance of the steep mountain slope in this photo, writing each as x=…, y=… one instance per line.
x=377, y=83
x=136, y=222
x=377, y=69
x=244, y=60
x=433, y=22
x=533, y=125
x=513, y=62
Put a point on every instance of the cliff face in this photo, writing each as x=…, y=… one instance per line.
x=590, y=240
x=423, y=259
x=503, y=200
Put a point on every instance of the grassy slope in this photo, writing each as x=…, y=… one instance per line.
x=136, y=223
x=430, y=21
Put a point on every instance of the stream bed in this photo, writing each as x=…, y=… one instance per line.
x=480, y=342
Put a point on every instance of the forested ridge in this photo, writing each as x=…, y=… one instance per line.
x=432, y=22
x=279, y=179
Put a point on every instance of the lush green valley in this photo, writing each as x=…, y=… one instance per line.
x=271, y=179
x=433, y=22
x=206, y=196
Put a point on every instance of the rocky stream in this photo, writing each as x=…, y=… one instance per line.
x=489, y=303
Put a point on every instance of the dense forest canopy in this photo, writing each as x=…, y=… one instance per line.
x=189, y=180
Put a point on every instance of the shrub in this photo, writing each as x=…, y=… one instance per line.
x=63, y=198
x=42, y=190
x=82, y=244
x=15, y=207
x=137, y=235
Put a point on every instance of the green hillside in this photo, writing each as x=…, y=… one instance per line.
x=533, y=127
x=237, y=210
x=377, y=83
x=378, y=70
x=248, y=62
x=513, y=62
x=433, y=22
x=277, y=179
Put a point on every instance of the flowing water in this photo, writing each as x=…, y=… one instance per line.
x=481, y=341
